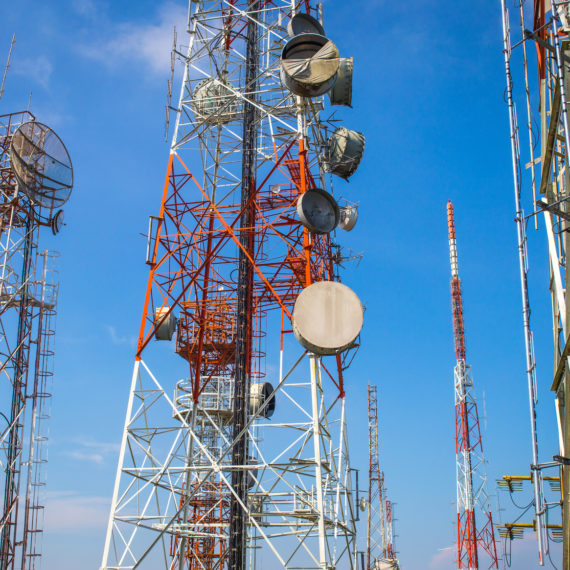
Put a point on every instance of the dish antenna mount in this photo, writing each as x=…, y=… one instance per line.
x=42, y=165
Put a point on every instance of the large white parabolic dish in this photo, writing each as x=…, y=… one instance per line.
x=327, y=317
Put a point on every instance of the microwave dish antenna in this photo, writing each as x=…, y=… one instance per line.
x=348, y=217
x=57, y=222
x=327, y=317
x=302, y=23
x=41, y=164
x=343, y=152
x=341, y=93
x=214, y=102
x=318, y=211
x=309, y=65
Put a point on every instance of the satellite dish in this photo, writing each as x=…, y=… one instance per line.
x=348, y=217
x=214, y=102
x=56, y=222
x=341, y=93
x=165, y=323
x=259, y=393
x=318, y=211
x=362, y=504
x=42, y=165
x=304, y=24
x=309, y=65
x=327, y=317
x=343, y=152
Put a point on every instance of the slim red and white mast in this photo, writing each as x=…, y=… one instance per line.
x=475, y=534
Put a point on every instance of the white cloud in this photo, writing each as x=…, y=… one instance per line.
x=118, y=339
x=70, y=512
x=84, y=7
x=523, y=554
x=92, y=451
x=102, y=446
x=38, y=69
x=149, y=44
x=444, y=559
x=91, y=457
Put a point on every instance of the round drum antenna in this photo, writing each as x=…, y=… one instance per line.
x=41, y=164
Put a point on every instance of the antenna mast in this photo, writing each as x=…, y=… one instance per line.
x=7, y=66
x=472, y=497
x=380, y=552
x=375, y=545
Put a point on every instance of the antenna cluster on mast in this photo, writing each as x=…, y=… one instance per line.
x=36, y=179
x=232, y=466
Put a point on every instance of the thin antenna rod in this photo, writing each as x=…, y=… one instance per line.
x=7, y=66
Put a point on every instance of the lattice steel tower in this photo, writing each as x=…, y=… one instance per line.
x=380, y=553
x=36, y=178
x=227, y=462
x=475, y=532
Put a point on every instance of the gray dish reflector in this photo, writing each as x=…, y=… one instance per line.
x=304, y=24
x=341, y=93
x=318, y=211
x=259, y=393
x=309, y=64
x=166, y=324
x=327, y=317
x=348, y=217
x=343, y=152
x=41, y=164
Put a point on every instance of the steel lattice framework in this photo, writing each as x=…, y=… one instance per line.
x=380, y=552
x=205, y=479
x=540, y=84
x=28, y=296
x=475, y=532
x=390, y=548
x=376, y=535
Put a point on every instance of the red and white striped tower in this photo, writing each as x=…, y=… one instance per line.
x=475, y=534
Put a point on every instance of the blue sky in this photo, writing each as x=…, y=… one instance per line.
x=428, y=95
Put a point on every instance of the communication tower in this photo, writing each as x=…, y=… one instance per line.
x=36, y=179
x=227, y=461
x=380, y=552
x=475, y=532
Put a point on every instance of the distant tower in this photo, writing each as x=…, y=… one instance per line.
x=474, y=518
x=380, y=551
x=376, y=535
x=390, y=546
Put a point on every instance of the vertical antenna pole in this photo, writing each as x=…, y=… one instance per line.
x=7, y=66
